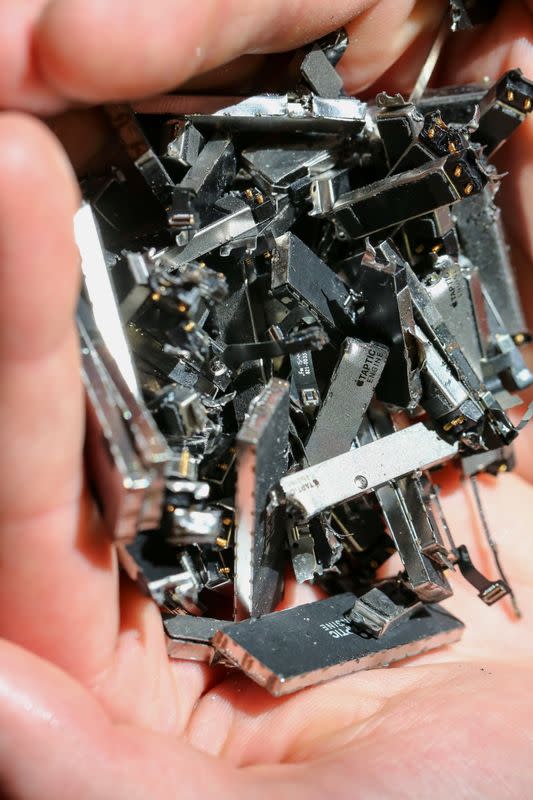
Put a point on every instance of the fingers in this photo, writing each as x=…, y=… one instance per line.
x=490, y=49
x=53, y=52
x=389, y=44
x=58, y=592
x=100, y=52
x=408, y=27
x=58, y=742
x=21, y=84
x=142, y=686
x=97, y=52
x=50, y=724
x=41, y=422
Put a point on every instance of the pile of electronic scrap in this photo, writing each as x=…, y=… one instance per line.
x=296, y=309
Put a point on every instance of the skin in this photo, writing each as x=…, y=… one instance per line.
x=90, y=706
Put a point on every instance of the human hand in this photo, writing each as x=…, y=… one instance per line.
x=90, y=706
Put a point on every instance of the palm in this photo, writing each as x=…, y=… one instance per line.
x=86, y=689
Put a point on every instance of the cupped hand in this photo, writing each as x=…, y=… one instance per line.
x=90, y=706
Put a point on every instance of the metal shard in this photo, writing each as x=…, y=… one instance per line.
x=350, y=391
x=313, y=643
x=295, y=307
x=353, y=474
x=261, y=461
x=101, y=294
